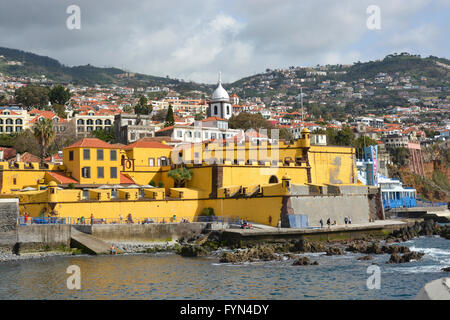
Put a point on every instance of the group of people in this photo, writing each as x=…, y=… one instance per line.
x=347, y=220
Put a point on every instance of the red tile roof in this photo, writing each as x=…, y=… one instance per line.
x=126, y=179
x=28, y=157
x=91, y=143
x=60, y=178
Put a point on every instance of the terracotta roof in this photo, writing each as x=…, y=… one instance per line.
x=56, y=156
x=91, y=143
x=60, y=178
x=147, y=144
x=213, y=119
x=28, y=157
x=126, y=179
x=166, y=129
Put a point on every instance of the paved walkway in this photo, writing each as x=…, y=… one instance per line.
x=267, y=230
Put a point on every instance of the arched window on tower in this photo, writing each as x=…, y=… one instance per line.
x=215, y=110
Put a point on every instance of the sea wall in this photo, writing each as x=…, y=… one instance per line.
x=42, y=237
x=9, y=212
x=332, y=202
x=140, y=233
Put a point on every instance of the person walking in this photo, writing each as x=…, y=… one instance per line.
x=346, y=220
x=92, y=218
x=349, y=220
x=321, y=222
x=121, y=219
x=328, y=222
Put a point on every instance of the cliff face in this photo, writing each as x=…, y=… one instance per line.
x=435, y=185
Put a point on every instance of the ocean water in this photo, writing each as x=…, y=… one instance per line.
x=168, y=276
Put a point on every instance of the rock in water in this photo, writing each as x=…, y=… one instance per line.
x=302, y=261
x=365, y=258
x=407, y=257
x=334, y=251
x=192, y=251
x=446, y=269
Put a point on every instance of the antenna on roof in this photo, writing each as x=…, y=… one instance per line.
x=220, y=77
x=301, y=102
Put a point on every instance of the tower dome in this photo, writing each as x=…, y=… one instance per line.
x=220, y=94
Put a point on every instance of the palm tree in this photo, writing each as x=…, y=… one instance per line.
x=44, y=134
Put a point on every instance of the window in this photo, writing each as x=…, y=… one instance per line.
x=14, y=180
x=100, y=172
x=18, y=129
x=180, y=133
x=113, y=155
x=100, y=154
x=9, y=121
x=86, y=154
x=151, y=162
x=70, y=155
x=80, y=121
x=113, y=172
x=86, y=172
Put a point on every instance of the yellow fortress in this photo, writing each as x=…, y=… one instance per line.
x=271, y=181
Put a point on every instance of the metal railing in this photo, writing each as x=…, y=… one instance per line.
x=125, y=220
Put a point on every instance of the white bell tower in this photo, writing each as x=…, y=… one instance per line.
x=220, y=105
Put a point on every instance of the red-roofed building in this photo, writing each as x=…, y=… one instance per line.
x=93, y=161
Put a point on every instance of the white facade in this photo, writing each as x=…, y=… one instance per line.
x=220, y=105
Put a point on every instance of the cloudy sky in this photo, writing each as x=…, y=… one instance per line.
x=194, y=39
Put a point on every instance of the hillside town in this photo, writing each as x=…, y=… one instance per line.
x=328, y=108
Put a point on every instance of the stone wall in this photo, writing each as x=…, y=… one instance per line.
x=336, y=203
x=41, y=237
x=139, y=233
x=9, y=212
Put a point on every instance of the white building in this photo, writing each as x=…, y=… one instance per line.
x=220, y=105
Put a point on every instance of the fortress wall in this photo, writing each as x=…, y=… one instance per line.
x=146, y=233
x=39, y=237
x=333, y=207
x=9, y=212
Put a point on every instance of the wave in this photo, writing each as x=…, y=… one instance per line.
x=432, y=251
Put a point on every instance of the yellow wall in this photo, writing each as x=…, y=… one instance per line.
x=75, y=166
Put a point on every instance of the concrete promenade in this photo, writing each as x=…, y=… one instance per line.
x=349, y=231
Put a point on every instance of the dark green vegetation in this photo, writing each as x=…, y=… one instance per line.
x=36, y=66
x=180, y=176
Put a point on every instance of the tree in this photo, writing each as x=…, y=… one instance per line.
x=142, y=106
x=180, y=176
x=105, y=135
x=245, y=121
x=160, y=116
x=400, y=155
x=60, y=110
x=170, y=121
x=25, y=142
x=44, y=134
x=59, y=95
x=32, y=96
x=127, y=109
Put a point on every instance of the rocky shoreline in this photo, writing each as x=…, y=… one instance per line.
x=292, y=249
x=211, y=244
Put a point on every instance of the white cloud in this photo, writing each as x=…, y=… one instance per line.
x=195, y=39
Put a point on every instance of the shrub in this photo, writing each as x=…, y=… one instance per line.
x=208, y=212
